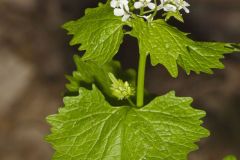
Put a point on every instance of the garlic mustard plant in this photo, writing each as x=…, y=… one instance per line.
x=103, y=117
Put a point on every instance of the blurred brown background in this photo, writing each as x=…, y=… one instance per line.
x=34, y=56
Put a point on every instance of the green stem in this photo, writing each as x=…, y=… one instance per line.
x=141, y=79
x=141, y=11
x=150, y=11
x=155, y=11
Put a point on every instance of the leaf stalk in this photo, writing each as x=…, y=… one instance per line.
x=141, y=80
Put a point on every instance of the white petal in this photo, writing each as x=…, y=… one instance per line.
x=113, y=4
x=124, y=2
x=186, y=9
x=169, y=7
x=138, y=5
x=159, y=7
x=126, y=8
x=177, y=2
x=163, y=1
x=186, y=4
x=118, y=12
x=151, y=5
x=125, y=17
x=148, y=1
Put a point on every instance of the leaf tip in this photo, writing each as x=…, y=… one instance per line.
x=172, y=93
x=174, y=73
x=67, y=25
x=236, y=46
x=50, y=119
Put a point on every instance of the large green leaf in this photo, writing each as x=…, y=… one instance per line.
x=99, y=32
x=169, y=47
x=88, y=72
x=89, y=128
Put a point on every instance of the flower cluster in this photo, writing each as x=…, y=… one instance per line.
x=121, y=90
x=121, y=7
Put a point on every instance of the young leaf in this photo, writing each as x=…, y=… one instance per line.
x=177, y=15
x=169, y=47
x=88, y=73
x=99, y=32
x=88, y=127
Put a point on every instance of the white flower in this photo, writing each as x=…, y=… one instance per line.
x=182, y=5
x=118, y=3
x=174, y=5
x=167, y=6
x=144, y=3
x=121, y=9
x=121, y=12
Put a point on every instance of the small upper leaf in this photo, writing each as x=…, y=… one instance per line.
x=177, y=15
x=88, y=73
x=169, y=47
x=88, y=127
x=99, y=32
